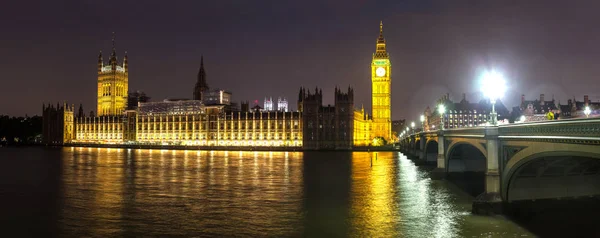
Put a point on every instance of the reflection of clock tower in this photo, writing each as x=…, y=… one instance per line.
x=381, y=89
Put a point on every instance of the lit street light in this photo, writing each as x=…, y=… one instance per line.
x=441, y=110
x=412, y=124
x=587, y=111
x=422, y=122
x=493, y=87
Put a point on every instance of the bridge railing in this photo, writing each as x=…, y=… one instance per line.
x=572, y=129
x=580, y=128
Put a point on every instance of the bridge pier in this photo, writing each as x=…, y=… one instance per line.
x=422, y=140
x=440, y=171
x=490, y=201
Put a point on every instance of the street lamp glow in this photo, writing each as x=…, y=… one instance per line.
x=587, y=111
x=422, y=118
x=493, y=87
x=441, y=110
x=412, y=124
x=522, y=118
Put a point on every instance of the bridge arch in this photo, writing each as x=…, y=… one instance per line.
x=570, y=170
x=431, y=151
x=472, y=157
x=466, y=164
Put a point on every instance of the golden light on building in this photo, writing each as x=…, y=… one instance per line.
x=192, y=123
x=113, y=84
x=381, y=89
x=379, y=123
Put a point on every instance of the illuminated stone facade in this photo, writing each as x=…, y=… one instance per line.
x=199, y=125
x=381, y=72
x=101, y=129
x=362, y=128
x=198, y=122
x=379, y=124
x=113, y=84
x=178, y=122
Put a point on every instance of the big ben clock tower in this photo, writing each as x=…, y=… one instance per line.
x=381, y=73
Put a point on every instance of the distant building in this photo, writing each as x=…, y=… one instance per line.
x=134, y=98
x=327, y=127
x=268, y=104
x=575, y=109
x=217, y=97
x=463, y=113
x=537, y=106
x=282, y=104
x=57, y=127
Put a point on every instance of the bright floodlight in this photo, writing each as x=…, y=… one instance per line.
x=433, y=126
x=587, y=111
x=422, y=118
x=493, y=85
x=441, y=109
x=412, y=124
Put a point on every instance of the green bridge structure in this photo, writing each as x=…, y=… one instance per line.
x=520, y=162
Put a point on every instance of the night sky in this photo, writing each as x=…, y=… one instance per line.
x=49, y=49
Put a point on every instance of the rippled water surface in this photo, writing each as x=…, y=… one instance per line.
x=127, y=192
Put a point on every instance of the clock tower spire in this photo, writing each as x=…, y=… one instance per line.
x=381, y=71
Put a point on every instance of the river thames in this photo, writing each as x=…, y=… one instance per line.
x=103, y=192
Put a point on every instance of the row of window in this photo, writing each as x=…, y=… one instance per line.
x=250, y=136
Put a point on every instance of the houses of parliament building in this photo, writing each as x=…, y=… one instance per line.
x=210, y=119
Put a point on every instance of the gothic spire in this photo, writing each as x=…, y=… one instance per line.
x=125, y=63
x=113, y=55
x=100, y=62
x=201, y=84
x=202, y=74
x=380, y=50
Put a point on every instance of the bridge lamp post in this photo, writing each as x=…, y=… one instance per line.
x=422, y=118
x=493, y=87
x=412, y=124
x=441, y=110
x=587, y=111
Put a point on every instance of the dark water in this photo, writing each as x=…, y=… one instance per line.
x=95, y=192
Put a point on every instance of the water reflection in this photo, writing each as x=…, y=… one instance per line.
x=119, y=192
x=122, y=192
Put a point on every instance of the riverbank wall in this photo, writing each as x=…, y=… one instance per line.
x=227, y=148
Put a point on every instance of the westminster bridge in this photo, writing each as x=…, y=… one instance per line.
x=523, y=161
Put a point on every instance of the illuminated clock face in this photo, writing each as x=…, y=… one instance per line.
x=380, y=71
